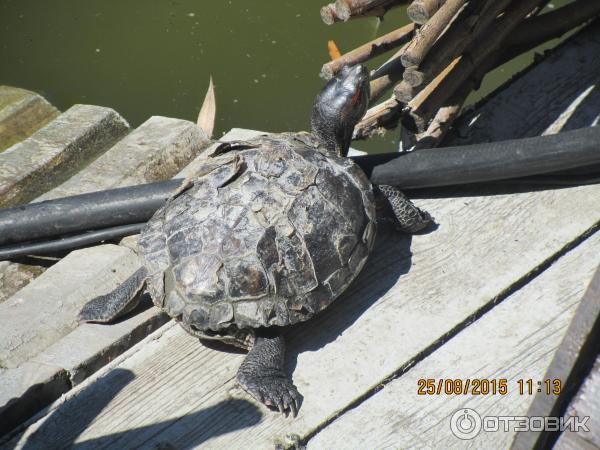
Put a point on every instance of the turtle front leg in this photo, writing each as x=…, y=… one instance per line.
x=262, y=374
x=108, y=307
x=410, y=218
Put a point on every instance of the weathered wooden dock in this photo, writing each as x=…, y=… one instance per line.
x=488, y=295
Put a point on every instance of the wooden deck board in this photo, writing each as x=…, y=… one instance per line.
x=561, y=93
x=585, y=404
x=22, y=113
x=515, y=340
x=400, y=307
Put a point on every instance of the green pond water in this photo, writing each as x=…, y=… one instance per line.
x=154, y=57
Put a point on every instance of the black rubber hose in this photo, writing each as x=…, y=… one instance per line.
x=78, y=213
x=69, y=243
x=490, y=161
x=424, y=168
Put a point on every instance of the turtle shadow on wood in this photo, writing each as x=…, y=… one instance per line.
x=390, y=259
x=64, y=426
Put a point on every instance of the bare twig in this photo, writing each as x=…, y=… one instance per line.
x=427, y=35
x=448, y=112
x=386, y=76
x=417, y=122
x=384, y=115
x=528, y=34
x=423, y=109
x=420, y=11
x=344, y=10
x=467, y=28
x=369, y=50
x=525, y=36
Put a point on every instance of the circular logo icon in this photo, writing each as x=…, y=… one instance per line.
x=465, y=423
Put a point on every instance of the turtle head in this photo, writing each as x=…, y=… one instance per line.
x=338, y=108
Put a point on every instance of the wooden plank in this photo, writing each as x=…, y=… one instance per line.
x=585, y=403
x=27, y=389
x=156, y=150
x=53, y=300
x=558, y=94
x=413, y=294
x=22, y=112
x=515, y=340
x=572, y=361
x=53, y=153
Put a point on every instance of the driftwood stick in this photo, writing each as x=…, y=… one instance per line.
x=423, y=108
x=430, y=32
x=369, y=50
x=468, y=27
x=420, y=11
x=449, y=111
x=383, y=84
x=417, y=122
x=520, y=42
x=386, y=76
x=528, y=34
x=384, y=115
x=404, y=92
x=441, y=123
x=344, y=10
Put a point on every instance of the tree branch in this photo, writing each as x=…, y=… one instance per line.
x=430, y=32
x=420, y=11
x=369, y=50
x=344, y=10
x=422, y=109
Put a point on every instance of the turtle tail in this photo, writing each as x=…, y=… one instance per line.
x=116, y=303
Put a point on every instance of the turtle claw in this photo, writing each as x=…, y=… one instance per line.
x=275, y=392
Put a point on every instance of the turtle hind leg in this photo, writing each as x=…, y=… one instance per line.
x=409, y=217
x=118, y=302
x=262, y=374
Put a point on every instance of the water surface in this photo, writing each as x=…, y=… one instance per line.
x=154, y=57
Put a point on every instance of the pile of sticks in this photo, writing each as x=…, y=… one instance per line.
x=444, y=54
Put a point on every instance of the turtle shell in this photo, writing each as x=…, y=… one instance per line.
x=267, y=235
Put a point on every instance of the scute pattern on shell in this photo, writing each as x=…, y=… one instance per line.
x=265, y=236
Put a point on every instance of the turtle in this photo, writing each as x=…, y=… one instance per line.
x=266, y=233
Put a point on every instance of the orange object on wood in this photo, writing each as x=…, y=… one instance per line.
x=334, y=52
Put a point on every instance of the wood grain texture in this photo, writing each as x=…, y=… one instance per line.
x=45, y=310
x=560, y=93
x=410, y=296
x=22, y=113
x=571, y=363
x=156, y=150
x=55, y=152
x=585, y=403
x=515, y=340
